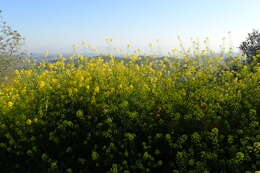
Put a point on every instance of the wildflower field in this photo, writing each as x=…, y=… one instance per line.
x=138, y=114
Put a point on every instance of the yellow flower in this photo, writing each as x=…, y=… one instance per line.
x=17, y=72
x=97, y=89
x=29, y=122
x=51, y=66
x=41, y=84
x=10, y=104
x=81, y=58
x=54, y=80
x=131, y=87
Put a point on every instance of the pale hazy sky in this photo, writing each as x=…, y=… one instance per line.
x=55, y=25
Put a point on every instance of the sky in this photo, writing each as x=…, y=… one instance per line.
x=55, y=25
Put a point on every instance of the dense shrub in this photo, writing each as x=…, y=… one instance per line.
x=251, y=46
x=111, y=116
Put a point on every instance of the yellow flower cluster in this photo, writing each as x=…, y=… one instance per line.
x=109, y=94
x=78, y=74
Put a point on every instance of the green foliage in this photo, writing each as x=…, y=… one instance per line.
x=251, y=46
x=189, y=115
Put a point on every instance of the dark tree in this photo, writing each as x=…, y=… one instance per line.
x=251, y=45
x=10, y=40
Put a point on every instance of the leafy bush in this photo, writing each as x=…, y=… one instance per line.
x=166, y=115
x=251, y=46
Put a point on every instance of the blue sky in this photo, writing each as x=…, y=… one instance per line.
x=55, y=25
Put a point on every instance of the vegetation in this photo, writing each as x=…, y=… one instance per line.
x=10, y=49
x=8, y=64
x=94, y=115
x=197, y=113
x=10, y=40
x=251, y=45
